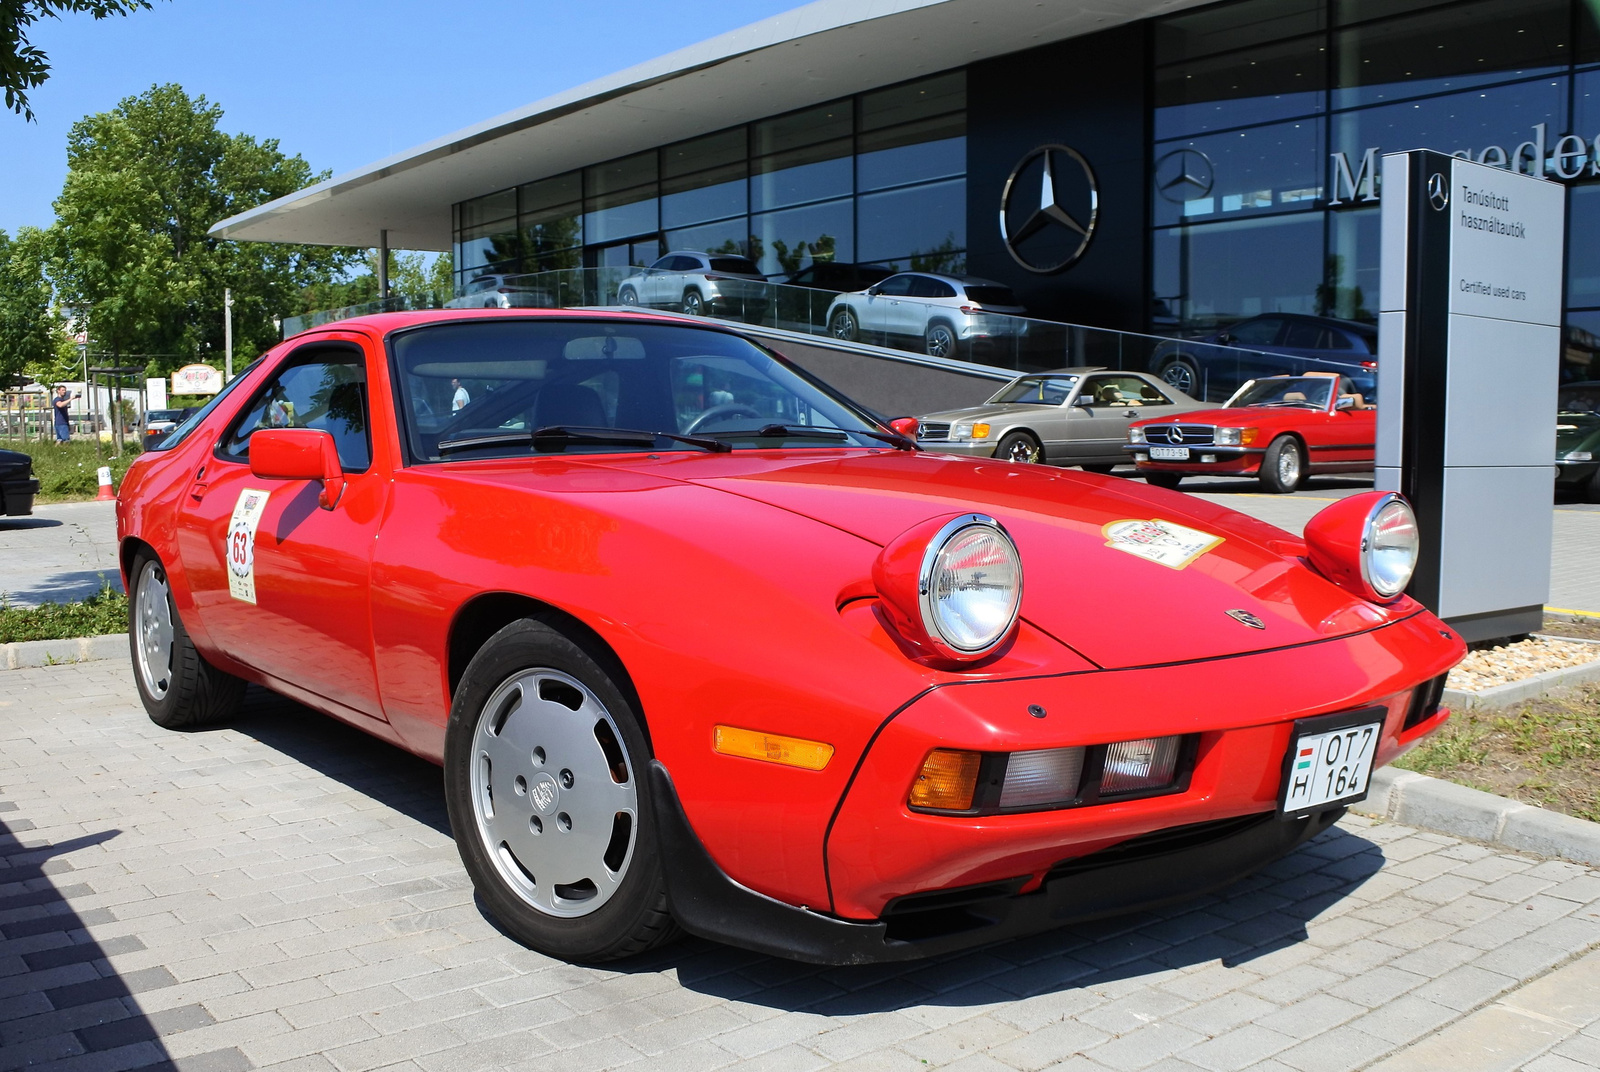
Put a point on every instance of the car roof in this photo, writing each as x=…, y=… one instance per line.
x=964, y=280
x=1356, y=326
x=383, y=323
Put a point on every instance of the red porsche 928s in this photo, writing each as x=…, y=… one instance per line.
x=702, y=645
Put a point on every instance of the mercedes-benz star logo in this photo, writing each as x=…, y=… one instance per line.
x=1050, y=213
x=1244, y=617
x=1438, y=191
x=1184, y=175
x=1174, y=434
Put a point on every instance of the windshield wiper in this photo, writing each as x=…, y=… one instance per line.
x=837, y=435
x=557, y=437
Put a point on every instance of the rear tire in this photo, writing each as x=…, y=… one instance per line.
x=1181, y=373
x=1283, y=466
x=179, y=689
x=1170, y=481
x=1103, y=470
x=1019, y=447
x=563, y=853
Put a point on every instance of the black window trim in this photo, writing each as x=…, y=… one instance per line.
x=300, y=355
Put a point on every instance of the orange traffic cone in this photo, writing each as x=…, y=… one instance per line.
x=105, y=484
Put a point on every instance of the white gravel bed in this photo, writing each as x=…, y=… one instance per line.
x=1513, y=662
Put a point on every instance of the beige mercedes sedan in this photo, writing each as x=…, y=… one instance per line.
x=1071, y=416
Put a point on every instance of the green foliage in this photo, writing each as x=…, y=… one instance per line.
x=412, y=276
x=104, y=612
x=67, y=473
x=145, y=182
x=23, y=66
x=30, y=333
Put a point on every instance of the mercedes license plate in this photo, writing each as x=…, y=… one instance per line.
x=1169, y=454
x=1329, y=761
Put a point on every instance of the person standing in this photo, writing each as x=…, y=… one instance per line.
x=59, y=404
x=461, y=399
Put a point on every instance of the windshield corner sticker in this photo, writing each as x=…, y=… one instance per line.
x=241, y=549
x=1159, y=541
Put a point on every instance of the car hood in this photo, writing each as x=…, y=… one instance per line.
x=999, y=410
x=1081, y=584
x=1241, y=416
x=15, y=463
x=1577, y=434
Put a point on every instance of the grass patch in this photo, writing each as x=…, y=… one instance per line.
x=1544, y=752
x=67, y=473
x=104, y=612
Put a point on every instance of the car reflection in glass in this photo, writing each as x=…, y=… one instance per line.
x=1280, y=344
x=1578, y=439
x=1072, y=416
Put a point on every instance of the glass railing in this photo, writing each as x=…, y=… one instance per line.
x=951, y=329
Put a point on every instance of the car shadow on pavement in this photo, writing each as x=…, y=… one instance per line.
x=12, y=523
x=59, y=996
x=66, y=587
x=1261, y=915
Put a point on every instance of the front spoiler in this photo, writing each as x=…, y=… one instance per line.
x=1158, y=869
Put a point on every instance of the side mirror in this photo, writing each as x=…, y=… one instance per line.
x=1083, y=400
x=299, y=454
x=874, y=290
x=906, y=426
x=1225, y=339
x=1345, y=402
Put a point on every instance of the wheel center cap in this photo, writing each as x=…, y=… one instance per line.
x=543, y=792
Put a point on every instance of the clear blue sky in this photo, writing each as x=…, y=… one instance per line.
x=341, y=82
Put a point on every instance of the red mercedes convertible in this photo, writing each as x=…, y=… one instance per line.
x=1279, y=429
x=702, y=646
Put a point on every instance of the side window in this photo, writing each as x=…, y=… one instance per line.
x=685, y=263
x=897, y=286
x=1336, y=340
x=1263, y=332
x=1123, y=392
x=1304, y=336
x=665, y=264
x=926, y=287
x=327, y=392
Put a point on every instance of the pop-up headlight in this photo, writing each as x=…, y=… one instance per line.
x=1367, y=544
x=952, y=587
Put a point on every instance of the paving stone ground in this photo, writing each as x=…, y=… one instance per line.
x=283, y=893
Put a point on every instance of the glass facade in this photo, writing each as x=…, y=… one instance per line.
x=877, y=178
x=1270, y=117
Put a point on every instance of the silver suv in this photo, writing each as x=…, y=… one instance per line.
x=941, y=313
x=700, y=284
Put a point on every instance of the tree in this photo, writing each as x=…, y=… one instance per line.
x=421, y=283
x=145, y=181
x=30, y=333
x=23, y=66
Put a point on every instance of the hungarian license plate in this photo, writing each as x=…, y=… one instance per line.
x=1169, y=454
x=1329, y=761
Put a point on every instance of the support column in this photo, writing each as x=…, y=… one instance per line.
x=383, y=264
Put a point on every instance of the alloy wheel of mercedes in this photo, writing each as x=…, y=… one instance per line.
x=844, y=326
x=1181, y=374
x=941, y=340
x=1020, y=447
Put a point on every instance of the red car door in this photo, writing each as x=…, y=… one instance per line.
x=1348, y=436
x=279, y=583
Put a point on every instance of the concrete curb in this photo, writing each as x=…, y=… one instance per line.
x=1529, y=688
x=1434, y=804
x=51, y=652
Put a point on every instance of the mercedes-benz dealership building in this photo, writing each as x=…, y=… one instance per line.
x=1200, y=164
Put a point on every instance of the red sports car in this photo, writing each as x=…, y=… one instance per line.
x=700, y=645
x=1279, y=429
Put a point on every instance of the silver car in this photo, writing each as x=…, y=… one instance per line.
x=700, y=284
x=1070, y=416
x=940, y=314
x=502, y=292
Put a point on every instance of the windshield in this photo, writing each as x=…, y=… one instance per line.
x=193, y=421
x=1580, y=401
x=496, y=381
x=1049, y=390
x=1308, y=391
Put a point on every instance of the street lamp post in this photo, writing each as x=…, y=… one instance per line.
x=227, y=334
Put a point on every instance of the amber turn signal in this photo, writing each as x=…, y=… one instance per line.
x=948, y=780
x=771, y=748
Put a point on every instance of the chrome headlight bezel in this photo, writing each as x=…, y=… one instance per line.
x=1229, y=437
x=934, y=608
x=1381, y=577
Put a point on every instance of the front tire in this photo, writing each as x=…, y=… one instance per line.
x=1170, y=481
x=1019, y=447
x=1103, y=470
x=627, y=296
x=1283, y=467
x=549, y=800
x=1181, y=373
x=179, y=689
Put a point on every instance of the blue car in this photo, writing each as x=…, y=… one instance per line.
x=1213, y=366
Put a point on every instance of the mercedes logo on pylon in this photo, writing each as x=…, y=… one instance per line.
x=1047, y=212
x=1438, y=191
x=1184, y=175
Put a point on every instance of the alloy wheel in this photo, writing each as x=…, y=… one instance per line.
x=554, y=793
x=1178, y=374
x=153, y=620
x=941, y=341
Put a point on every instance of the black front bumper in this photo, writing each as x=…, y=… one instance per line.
x=16, y=496
x=1146, y=872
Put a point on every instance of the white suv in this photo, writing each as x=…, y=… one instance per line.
x=943, y=313
x=700, y=284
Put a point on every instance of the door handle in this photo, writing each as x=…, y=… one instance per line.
x=197, y=490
